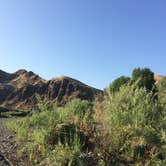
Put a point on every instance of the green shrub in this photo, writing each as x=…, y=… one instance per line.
x=116, y=84
x=132, y=127
x=161, y=87
x=145, y=77
x=66, y=128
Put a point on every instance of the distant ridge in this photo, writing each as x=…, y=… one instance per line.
x=158, y=77
x=17, y=90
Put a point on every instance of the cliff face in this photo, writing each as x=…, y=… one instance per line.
x=17, y=90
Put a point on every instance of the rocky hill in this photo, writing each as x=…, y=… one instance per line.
x=17, y=90
x=158, y=77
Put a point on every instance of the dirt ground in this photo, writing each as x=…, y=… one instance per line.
x=8, y=146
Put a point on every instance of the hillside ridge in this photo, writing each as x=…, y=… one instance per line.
x=18, y=89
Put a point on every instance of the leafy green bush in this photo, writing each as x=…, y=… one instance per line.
x=161, y=87
x=66, y=128
x=116, y=84
x=145, y=77
x=132, y=127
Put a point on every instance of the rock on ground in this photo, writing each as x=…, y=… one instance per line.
x=8, y=147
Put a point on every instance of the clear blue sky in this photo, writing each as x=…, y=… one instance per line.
x=94, y=41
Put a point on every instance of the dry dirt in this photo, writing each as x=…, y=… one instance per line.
x=8, y=147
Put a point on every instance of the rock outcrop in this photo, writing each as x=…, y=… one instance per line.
x=17, y=90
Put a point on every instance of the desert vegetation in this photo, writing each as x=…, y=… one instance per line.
x=128, y=127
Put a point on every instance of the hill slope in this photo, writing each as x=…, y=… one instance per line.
x=158, y=77
x=17, y=90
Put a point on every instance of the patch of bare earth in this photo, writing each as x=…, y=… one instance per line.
x=9, y=147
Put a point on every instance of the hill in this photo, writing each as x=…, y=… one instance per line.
x=17, y=90
x=158, y=77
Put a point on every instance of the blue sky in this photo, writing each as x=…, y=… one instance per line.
x=94, y=41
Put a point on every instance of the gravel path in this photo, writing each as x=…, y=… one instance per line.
x=8, y=147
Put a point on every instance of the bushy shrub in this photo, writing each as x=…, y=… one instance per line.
x=161, y=87
x=67, y=128
x=132, y=127
x=145, y=77
x=116, y=84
